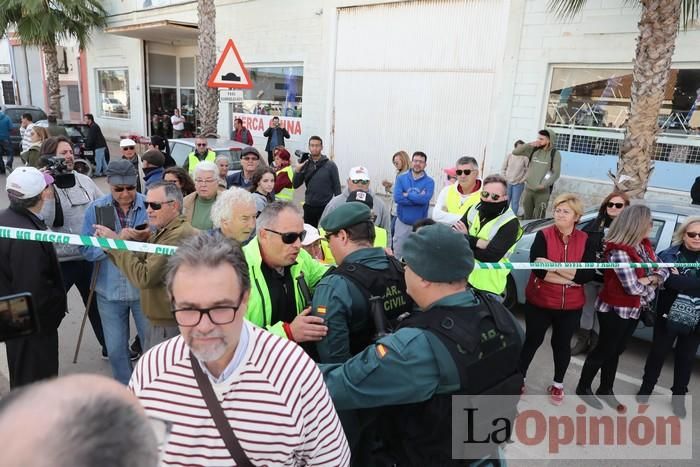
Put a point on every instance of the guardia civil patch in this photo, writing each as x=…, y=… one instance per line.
x=321, y=310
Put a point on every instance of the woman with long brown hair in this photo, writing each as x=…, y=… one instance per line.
x=181, y=178
x=611, y=207
x=401, y=163
x=624, y=294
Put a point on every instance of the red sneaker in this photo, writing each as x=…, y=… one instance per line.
x=556, y=395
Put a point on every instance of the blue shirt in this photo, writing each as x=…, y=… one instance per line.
x=5, y=126
x=111, y=283
x=413, y=206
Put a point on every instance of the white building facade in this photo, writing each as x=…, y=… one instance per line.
x=447, y=77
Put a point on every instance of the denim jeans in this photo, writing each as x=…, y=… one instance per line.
x=6, y=150
x=79, y=273
x=115, y=325
x=100, y=162
x=514, y=194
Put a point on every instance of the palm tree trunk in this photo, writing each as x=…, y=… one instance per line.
x=658, y=29
x=207, y=98
x=52, y=83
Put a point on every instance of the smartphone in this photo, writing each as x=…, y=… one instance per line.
x=104, y=215
x=17, y=316
x=141, y=226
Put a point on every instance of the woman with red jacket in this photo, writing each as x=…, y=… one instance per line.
x=554, y=297
x=618, y=306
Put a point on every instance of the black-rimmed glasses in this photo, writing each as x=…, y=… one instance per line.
x=191, y=316
x=290, y=237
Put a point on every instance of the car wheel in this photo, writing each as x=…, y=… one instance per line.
x=510, y=295
x=82, y=167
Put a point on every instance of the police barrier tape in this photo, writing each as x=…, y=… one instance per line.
x=140, y=247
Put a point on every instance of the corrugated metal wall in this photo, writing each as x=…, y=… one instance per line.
x=415, y=76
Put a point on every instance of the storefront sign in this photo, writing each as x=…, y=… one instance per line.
x=257, y=124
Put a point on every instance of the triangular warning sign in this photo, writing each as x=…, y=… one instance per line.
x=229, y=71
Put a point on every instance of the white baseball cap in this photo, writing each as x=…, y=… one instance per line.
x=359, y=173
x=27, y=182
x=127, y=142
x=311, y=235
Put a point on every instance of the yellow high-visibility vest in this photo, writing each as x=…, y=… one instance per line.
x=287, y=194
x=490, y=280
x=455, y=204
x=194, y=160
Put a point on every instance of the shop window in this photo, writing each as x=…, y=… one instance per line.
x=113, y=93
x=277, y=91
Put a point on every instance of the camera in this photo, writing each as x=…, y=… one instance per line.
x=56, y=167
x=17, y=316
x=301, y=155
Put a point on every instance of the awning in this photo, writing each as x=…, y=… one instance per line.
x=165, y=31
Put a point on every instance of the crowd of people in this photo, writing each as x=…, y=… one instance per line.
x=326, y=333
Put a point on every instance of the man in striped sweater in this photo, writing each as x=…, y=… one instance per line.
x=271, y=392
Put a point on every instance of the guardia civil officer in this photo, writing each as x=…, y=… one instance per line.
x=342, y=297
x=461, y=343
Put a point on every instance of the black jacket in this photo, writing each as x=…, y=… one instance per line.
x=95, y=138
x=283, y=133
x=687, y=281
x=322, y=181
x=695, y=191
x=29, y=266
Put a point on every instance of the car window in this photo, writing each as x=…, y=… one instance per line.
x=16, y=114
x=73, y=132
x=180, y=152
x=234, y=157
x=656, y=230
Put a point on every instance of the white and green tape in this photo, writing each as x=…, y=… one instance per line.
x=84, y=240
x=140, y=247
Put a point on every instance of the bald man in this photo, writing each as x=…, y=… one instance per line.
x=77, y=421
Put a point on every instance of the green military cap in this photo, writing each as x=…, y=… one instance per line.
x=346, y=215
x=437, y=253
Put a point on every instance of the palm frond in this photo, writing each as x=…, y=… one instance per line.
x=566, y=9
x=690, y=10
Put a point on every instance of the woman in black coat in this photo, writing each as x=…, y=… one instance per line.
x=686, y=249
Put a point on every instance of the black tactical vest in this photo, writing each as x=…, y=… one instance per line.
x=484, y=342
x=386, y=283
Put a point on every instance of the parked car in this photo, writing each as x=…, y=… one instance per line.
x=14, y=112
x=112, y=105
x=666, y=217
x=180, y=148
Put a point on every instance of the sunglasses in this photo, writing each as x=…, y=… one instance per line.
x=616, y=205
x=360, y=182
x=119, y=189
x=201, y=145
x=693, y=234
x=465, y=172
x=494, y=196
x=157, y=206
x=251, y=158
x=290, y=237
x=128, y=148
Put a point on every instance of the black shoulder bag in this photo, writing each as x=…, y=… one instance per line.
x=217, y=413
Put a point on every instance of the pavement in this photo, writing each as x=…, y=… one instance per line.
x=539, y=377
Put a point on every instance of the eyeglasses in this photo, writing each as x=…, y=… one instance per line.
x=616, y=205
x=161, y=428
x=360, y=182
x=219, y=314
x=290, y=237
x=199, y=181
x=465, y=172
x=249, y=158
x=494, y=196
x=157, y=206
x=128, y=148
x=119, y=189
x=693, y=234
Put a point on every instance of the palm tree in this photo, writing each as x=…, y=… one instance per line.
x=45, y=24
x=207, y=98
x=658, y=29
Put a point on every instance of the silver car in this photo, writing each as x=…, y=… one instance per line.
x=180, y=148
x=666, y=217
